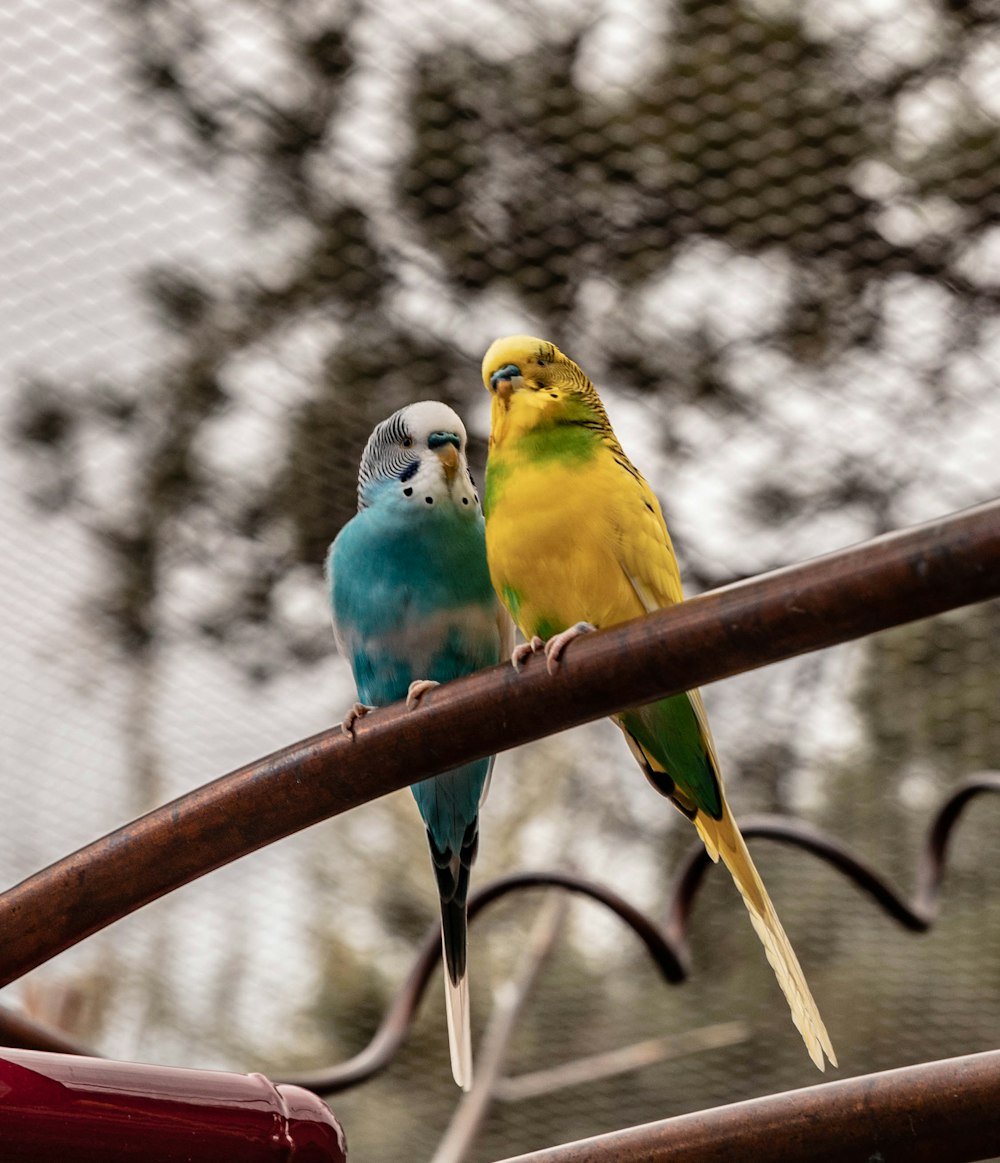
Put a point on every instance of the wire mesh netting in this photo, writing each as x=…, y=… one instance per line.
x=234, y=236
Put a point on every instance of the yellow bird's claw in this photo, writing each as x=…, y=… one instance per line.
x=358, y=711
x=418, y=688
x=558, y=643
x=524, y=650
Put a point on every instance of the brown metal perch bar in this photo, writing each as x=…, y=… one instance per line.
x=894, y=579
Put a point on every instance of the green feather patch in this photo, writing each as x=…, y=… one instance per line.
x=669, y=731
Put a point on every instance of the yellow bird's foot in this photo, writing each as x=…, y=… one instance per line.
x=524, y=650
x=418, y=688
x=358, y=711
x=558, y=643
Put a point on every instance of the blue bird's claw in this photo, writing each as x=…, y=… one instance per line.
x=418, y=688
x=358, y=711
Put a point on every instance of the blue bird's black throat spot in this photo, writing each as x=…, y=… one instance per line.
x=409, y=470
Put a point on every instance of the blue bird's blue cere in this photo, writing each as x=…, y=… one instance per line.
x=440, y=439
x=507, y=372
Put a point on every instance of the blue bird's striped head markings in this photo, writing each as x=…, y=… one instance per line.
x=416, y=457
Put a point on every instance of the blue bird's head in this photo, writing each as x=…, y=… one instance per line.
x=417, y=456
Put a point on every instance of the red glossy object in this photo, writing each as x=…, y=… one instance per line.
x=55, y=1108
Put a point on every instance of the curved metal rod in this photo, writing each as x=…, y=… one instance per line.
x=918, y=914
x=668, y=947
x=394, y=1027
x=931, y=869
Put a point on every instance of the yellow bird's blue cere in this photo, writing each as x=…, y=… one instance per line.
x=576, y=539
x=413, y=607
x=507, y=372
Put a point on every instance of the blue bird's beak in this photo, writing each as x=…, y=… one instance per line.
x=445, y=446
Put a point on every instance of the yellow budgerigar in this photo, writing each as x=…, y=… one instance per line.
x=576, y=540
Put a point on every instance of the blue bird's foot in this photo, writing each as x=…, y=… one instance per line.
x=358, y=711
x=524, y=650
x=558, y=643
x=418, y=688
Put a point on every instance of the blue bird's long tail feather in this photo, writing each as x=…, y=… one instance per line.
x=452, y=872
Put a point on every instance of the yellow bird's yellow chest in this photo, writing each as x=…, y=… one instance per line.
x=554, y=534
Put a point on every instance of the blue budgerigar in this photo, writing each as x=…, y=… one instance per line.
x=413, y=607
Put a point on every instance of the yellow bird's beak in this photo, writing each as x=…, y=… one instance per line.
x=448, y=455
x=505, y=381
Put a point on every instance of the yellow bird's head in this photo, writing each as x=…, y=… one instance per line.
x=532, y=383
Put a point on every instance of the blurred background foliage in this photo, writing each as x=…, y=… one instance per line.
x=769, y=229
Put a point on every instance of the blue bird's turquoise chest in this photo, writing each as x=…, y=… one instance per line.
x=412, y=598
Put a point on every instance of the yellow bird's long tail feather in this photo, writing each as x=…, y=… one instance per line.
x=723, y=838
